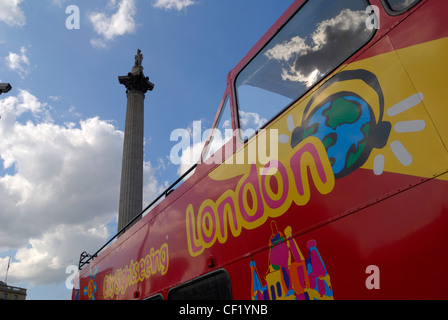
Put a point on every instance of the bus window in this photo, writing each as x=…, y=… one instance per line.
x=214, y=286
x=320, y=36
x=401, y=5
x=222, y=133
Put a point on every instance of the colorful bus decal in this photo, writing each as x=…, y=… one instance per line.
x=340, y=126
x=156, y=262
x=254, y=200
x=290, y=276
x=91, y=288
x=349, y=125
x=338, y=131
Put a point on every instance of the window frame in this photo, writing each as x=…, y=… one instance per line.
x=228, y=98
x=205, y=155
x=388, y=8
x=325, y=78
x=202, y=278
x=156, y=297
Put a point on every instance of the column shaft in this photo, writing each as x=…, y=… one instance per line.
x=131, y=189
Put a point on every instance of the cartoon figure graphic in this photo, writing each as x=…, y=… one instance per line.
x=290, y=276
x=91, y=288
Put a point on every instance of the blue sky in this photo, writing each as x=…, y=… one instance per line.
x=61, y=127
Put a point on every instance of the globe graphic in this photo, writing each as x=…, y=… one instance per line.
x=343, y=124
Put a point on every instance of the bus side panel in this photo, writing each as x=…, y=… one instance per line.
x=416, y=152
x=370, y=203
x=133, y=267
x=391, y=250
x=426, y=62
x=404, y=237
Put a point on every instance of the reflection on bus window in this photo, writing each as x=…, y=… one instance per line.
x=401, y=5
x=222, y=133
x=316, y=40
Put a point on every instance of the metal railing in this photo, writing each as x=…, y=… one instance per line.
x=86, y=258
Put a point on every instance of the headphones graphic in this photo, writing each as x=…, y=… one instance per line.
x=349, y=124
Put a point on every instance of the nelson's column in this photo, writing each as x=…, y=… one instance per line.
x=131, y=188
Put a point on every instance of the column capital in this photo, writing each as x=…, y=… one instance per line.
x=136, y=82
x=5, y=88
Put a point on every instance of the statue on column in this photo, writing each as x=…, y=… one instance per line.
x=138, y=68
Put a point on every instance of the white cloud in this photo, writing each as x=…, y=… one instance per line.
x=98, y=43
x=45, y=258
x=285, y=51
x=152, y=187
x=19, y=62
x=251, y=121
x=173, y=4
x=63, y=194
x=117, y=24
x=54, y=98
x=109, y=26
x=57, y=3
x=11, y=14
x=190, y=156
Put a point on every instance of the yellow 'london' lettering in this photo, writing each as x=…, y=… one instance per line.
x=254, y=200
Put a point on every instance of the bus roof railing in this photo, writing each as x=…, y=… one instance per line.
x=86, y=258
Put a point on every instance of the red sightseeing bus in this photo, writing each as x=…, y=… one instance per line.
x=334, y=183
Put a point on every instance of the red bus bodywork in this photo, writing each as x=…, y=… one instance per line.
x=306, y=233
